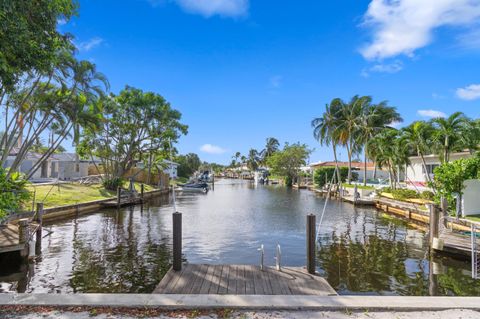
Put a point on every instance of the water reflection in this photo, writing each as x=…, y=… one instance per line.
x=360, y=251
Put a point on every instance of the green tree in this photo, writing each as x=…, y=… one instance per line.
x=272, y=146
x=324, y=175
x=30, y=38
x=448, y=134
x=325, y=128
x=450, y=176
x=189, y=164
x=374, y=119
x=13, y=193
x=136, y=122
x=288, y=161
x=253, y=160
x=419, y=136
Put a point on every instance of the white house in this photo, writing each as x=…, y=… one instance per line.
x=64, y=166
x=358, y=168
x=171, y=169
x=416, y=173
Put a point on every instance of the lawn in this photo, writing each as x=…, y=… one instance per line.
x=473, y=218
x=358, y=186
x=72, y=193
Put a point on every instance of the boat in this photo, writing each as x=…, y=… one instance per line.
x=195, y=187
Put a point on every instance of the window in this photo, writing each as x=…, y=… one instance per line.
x=430, y=168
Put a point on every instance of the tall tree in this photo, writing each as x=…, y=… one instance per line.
x=134, y=121
x=288, y=161
x=448, y=134
x=325, y=129
x=374, y=119
x=30, y=38
x=419, y=136
x=348, y=127
x=272, y=146
x=253, y=159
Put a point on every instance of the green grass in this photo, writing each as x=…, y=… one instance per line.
x=473, y=218
x=69, y=194
x=358, y=186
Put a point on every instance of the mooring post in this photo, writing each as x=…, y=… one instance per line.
x=444, y=208
x=213, y=181
x=177, y=241
x=119, y=196
x=39, y=220
x=23, y=230
x=311, y=222
x=434, y=221
x=142, y=191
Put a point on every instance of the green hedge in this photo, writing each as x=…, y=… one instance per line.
x=320, y=173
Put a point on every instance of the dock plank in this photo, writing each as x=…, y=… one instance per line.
x=243, y=279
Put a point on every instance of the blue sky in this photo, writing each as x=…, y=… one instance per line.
x=244, y=70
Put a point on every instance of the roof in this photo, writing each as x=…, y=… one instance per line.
x=170, y=162
x=358, y=165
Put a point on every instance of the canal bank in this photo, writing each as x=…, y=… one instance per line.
x=360, y=250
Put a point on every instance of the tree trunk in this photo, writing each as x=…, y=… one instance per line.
x=365, y=169
x=336, y=162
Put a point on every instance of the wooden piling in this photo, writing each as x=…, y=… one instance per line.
x=39, y=220
x=142, y=191
x=434, y=223
x=23, y=230
x=177, y=241
x=119, y=196
x=311, y=223
x=444, y=209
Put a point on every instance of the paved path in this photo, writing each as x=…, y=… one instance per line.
x=448, y=314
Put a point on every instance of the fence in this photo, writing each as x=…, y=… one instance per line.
x=475, y=260
x=140, y=175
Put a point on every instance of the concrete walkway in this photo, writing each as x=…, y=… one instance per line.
x=446, y=314
x=248, y=302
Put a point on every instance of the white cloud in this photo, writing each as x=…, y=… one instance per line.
x=208, y=8
x=403, y=26
x=395, y=124
x=212, y=149
x=469, y=93
x=431, y=113
x=393, y=67
x=275, y=81
x=90, y=44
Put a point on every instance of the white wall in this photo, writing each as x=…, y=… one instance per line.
x=415, y=170
x=471, y=198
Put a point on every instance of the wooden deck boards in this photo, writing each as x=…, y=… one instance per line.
x=242, y=280
x=9, y=239
x=454, y=243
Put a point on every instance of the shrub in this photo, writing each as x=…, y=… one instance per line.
x=320, y=179
x=113, y=183
x=400, y=194
x=427, y=195
x=13, y=193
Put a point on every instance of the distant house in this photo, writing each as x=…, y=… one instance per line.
x=63, y=166
x=171, y=169
x=416, y=172
x=357, y=167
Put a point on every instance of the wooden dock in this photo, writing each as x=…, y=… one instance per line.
x=10, y=237
x=242, y=280
x=455, y=244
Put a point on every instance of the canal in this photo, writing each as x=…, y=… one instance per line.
x=361, y=251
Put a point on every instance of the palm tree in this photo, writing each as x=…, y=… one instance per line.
x=374, y=119
x=271, y=147
x=419, y=136
x=252, y=160
x=391, y=151
x=448, y=134
x=236, y=157
x=348, y=127
x=325, y=129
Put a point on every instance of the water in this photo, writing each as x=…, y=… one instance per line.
x=361, y=251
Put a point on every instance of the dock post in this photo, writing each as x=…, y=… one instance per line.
x=23, y=234
x=311, y=222
x=177, y=241
x=142, y=191
x=119, y=196
x=434, y=221
x=444, y=208
x=39, y=220
x=213, y=181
